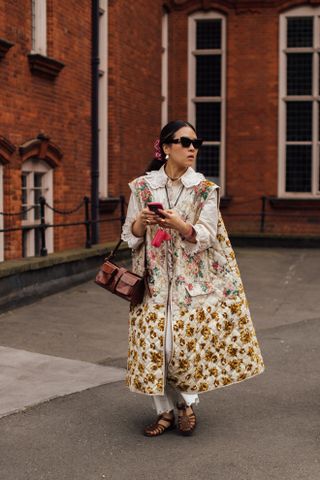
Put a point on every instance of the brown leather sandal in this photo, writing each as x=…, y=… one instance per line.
x=186, y=419
x=164, y=422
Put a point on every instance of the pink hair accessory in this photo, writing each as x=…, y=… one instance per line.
x=160, y=236
x=157, y=150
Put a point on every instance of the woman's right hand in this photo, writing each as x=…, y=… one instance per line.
x=147, y=217
x=144, y=218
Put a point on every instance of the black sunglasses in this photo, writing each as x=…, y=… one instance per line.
x=186, y=142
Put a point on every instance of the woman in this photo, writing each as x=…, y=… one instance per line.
x=193, y=331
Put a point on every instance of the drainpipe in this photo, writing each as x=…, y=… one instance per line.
x=95, y=123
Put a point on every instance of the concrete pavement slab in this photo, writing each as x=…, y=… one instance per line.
x=260, y=429
x=28, y=378
x=85, y=323
x=265, y=428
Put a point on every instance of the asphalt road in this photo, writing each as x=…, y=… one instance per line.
x=66, y=413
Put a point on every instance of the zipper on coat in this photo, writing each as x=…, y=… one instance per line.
x=169, y=270
x=169, y=301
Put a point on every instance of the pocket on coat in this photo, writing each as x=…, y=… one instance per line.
x=202, y=288
x=220, y=259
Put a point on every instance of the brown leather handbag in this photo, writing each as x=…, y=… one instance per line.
x=123, y=282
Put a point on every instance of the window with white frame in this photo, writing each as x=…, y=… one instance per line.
x=39, y=26
x=36, y=181
x=164, y=71
x=103, y=99
x=299, y=103
x=206, y=90
x=1, y=216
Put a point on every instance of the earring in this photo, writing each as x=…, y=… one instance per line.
x=167, y=156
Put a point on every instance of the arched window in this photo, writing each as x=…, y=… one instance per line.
x=206, y=90
x=299, y=103
x=36, y=181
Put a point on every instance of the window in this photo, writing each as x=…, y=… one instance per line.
x=36, y=181
x=164, y=70
x=206, y=91
x=39, y=26
x=1, y=216
x=103, y=99
x=299, y=103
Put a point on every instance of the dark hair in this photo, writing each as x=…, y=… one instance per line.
x=166, y=135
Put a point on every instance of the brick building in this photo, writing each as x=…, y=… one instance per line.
x=245, y=73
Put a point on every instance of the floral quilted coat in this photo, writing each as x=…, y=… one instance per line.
x=214, y=340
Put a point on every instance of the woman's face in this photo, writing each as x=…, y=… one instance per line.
x=181, y=156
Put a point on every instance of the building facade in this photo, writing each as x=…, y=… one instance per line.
x=245, y=73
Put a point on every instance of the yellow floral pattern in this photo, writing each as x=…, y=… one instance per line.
x=214, y=340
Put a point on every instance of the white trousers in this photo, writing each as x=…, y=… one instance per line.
x=166, y=402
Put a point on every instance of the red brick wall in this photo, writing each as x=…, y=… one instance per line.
x=251, y=108
x=134, y=92
x=252, y=112
x=61, y=108
x=135, y=88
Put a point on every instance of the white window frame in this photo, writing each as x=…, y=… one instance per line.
x=192, y=99
x=39, y=26
x=39, y=166
x=315, y=49
x=103, y=99
x=164, y=69
x=1, y=216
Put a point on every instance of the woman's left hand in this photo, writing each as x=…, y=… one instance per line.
x=172, y=220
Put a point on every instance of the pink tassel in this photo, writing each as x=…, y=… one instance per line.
x=160, y=236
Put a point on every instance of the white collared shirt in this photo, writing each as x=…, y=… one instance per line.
x=205, y=227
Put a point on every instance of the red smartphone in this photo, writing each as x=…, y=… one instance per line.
x=154, y=207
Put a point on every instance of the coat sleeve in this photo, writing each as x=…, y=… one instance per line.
x=206, y=226
x=132, y=212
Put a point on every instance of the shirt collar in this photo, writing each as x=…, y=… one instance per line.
x=159, y=178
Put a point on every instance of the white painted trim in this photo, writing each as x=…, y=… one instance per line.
x=164, y=70
x=103, y=99
x=32, y=166
x=1, y=216
x=283, y=98
x=39, y=42
x=192, y=99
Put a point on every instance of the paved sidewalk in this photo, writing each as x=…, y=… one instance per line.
x=264, y=428
x=28, y=378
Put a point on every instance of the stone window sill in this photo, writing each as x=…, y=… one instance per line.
x=4, y=47
x=225, y=201
x=295, y=203
x=44, y=66
x=109, y=204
